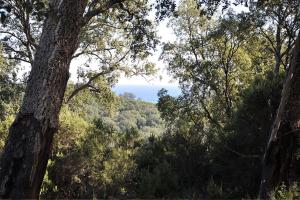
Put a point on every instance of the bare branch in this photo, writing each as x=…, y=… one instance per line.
x=269, y=39
x=14, y=36
x=17, y=58
x=88, y=84
x=96, y=11
x=241, y=154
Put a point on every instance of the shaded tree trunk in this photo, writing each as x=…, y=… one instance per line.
x=278, y=157
x=26, y=152
x=278, y=42
x=277, y=52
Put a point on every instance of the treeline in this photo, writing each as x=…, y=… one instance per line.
x=120, y=147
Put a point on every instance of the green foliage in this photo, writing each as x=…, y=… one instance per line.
x=10, y=97
x=228, y=102
x=93, y=152
x=98, y=167
x=156, y=177
x=89, y=104
x=213, y=60
x=4, y=126
x=286, y=193
x=116, y=41
x=72, y=129
x=9, y=89
x=172, y=166
x=207, y=143
x=139, y=115
x=225, y=162
x=239, y=151
x=101, y=158
x=47, y=182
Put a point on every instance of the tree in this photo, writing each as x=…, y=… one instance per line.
x=278, y=22
x=26, y=152
x=279, y=155
x=280, y=151
x=211, y=84
x=108, y=55
x=239, y=167
x=225, y=163
x=30, y=137
x=213, y=60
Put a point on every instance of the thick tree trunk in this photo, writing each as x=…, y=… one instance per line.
x=26, y=152
x=281, y=146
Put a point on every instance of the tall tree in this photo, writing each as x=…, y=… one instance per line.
x=211, y=59
x=281, y=145
x=278, y=22
x=279, y=155
x=27, y=149
x=26, y=152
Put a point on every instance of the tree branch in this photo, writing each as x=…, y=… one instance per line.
x=88, y=84
x=241, y=154
x=269, y=39
x=96, y=11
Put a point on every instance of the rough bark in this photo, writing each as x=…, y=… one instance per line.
x=26, y=152
x=281, y=146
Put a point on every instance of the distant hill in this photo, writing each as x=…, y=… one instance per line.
x=138, y=114
x=145, y=92
x=125, y=113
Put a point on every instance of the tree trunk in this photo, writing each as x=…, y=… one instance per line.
x=281, y=146
x=278, y=42
x=27, y=149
